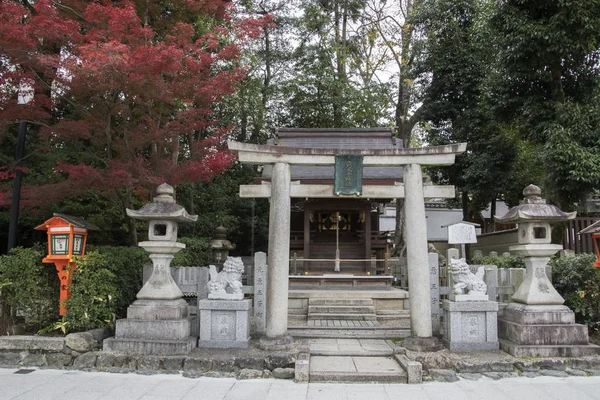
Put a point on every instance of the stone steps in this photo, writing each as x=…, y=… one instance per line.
x=338, y=309
x=364, y=332
x=342, y=316
x=352, y=369
x=340, y=302
x=351, y=323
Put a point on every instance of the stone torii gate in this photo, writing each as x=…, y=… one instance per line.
x=281, y=190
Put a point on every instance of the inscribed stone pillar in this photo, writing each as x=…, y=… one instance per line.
x=434, y=278
x=279, y=252
x=260, y=298
x=416, y=251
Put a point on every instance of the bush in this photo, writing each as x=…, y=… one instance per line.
x=575, y=278
x=500, y=262
x=196, y=253
x=127, y=264
x=93, y=294
x=104, y=284
x=29, y=287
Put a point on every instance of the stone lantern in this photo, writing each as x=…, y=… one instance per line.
x=534, y=217
x=220, y=246
x=536, y=323
x=158, y=322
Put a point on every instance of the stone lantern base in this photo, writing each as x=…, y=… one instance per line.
x=543, y=331
x=157, y=327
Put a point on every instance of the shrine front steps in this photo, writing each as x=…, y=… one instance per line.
x=356, y=331
x=352, y=361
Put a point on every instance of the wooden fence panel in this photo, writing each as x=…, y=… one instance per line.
x=579, y=243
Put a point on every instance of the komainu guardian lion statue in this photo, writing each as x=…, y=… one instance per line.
x=464, y=280
x=227, y=284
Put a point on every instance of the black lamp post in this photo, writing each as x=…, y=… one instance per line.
x=25, y=96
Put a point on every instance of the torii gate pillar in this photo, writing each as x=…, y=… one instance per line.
x=417, y=260
x=279, y=254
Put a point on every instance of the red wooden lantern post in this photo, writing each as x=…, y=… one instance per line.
x=594, y=230
x=67, y=238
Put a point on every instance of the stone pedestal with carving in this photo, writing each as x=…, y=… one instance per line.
x=470, y=325
x=224, y=323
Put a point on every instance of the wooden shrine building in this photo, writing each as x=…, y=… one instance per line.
x=345, y=226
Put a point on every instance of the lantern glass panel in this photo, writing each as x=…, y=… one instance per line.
x=77, y=245
x=59, y=245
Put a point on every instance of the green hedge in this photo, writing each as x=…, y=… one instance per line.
x=104, y=284
x=575, y=278
x=28, y=287
x=500, y=262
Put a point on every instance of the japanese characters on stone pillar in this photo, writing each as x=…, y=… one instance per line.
x=434, y=279
x=260, y=291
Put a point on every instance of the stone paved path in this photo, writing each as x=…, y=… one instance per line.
x=77, y=385
x=353, y=347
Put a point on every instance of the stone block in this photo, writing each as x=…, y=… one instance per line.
x=468, y=297
x=81, y=342
x=250, y=363
x=467, y=367
x=470, y=325
x=548, y=350
x=224, y=365
x=149, y=346
x=158, y=310
x=302, y=368
x=249, y=374
x=197, y=364
x=443, y=375
x=283, y=373
x=58, y=360
x=173, y=363
x=106, y=360
x=11, y=359
x=100, y=334
x=553, y=335
x=414, y=369
x=148, y=363
x=85, y=361
x=537, y=315
x=152, y=329
x=502, y=366
x=224, y=323
x=34, y=360
x=279, y=360
x=42, y=343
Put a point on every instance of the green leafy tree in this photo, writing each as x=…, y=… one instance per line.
x=548, y=86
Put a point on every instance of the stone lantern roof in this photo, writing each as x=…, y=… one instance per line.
x=163, y=207
x=220, y=241
x=534, y=208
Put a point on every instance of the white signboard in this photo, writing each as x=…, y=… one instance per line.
x=461, y=233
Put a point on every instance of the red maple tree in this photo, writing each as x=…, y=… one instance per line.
x=128, y=86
